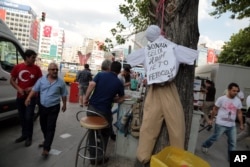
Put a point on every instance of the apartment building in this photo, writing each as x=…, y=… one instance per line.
x=45, y=37
x=51, y=40
x=22, y=21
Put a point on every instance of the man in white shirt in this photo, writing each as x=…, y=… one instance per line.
x=161, y=59
x=226, y=108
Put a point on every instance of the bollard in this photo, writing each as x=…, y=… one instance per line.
x=73, y=94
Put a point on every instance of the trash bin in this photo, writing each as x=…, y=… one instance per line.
x=175, y=157
x=73, y=94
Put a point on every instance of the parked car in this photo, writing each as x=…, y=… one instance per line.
x=70, y=76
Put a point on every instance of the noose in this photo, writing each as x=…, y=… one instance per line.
x=160, y=10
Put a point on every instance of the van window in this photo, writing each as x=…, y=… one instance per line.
x=9, y=56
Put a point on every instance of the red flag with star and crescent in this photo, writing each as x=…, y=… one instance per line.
x=47, y=31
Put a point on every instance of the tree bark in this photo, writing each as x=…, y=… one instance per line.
x=180, y=26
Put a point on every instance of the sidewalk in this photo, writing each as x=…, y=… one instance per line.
x=67, y=137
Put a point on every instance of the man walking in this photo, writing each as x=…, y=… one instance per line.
x=23, y=77
x=52, y=89
x=208, y=105
x=226, y=108
x=83, y=79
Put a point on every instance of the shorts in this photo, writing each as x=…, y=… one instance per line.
x=207, y=107
x=82, y=90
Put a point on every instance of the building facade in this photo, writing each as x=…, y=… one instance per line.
x=22, y=21
x=43, y=36
x=51, y=41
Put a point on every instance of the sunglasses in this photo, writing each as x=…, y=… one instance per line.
x=54, y=69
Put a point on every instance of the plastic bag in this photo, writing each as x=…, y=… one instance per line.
x=175, y=157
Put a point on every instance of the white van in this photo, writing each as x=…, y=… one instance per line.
x=11, y=53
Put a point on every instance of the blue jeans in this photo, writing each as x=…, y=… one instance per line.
x=26, y=115
x=218, y=131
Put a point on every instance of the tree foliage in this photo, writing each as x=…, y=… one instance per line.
x=137, y=14
x=240, y=8
x=237, y=51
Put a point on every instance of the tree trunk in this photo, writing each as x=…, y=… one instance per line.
x=181, y=27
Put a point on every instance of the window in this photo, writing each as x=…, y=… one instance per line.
x=9, y=56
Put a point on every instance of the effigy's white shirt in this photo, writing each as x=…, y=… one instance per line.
x=161, y=59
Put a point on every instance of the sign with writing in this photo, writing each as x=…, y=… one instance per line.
x=161, y=62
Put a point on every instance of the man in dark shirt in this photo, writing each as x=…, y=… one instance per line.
x=210, y=91
x=83, y=78
x=107, y=89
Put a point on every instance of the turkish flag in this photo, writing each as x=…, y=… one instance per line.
x=47, y=31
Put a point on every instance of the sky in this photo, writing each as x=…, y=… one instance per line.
x=95, y=19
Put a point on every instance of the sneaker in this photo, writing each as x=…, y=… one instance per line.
x=20, y=139
x=204, y=149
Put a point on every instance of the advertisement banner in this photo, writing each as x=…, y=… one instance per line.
x=2, y=14
x=47, y=31
x=53, y=50
x=34, y=29
x=211, y=56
